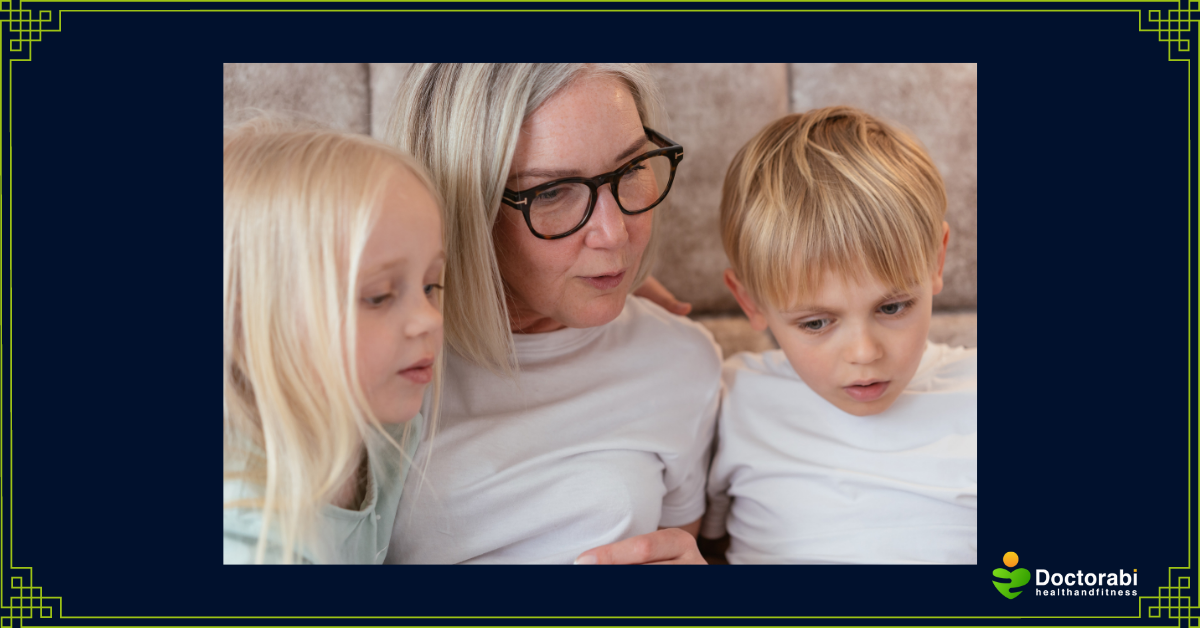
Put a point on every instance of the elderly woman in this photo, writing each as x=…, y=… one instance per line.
x=575, y=419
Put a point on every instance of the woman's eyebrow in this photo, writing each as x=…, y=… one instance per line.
x=542, y=173
x=545, y=173
x=633, y=149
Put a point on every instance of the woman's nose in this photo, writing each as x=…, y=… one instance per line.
x=606, y=228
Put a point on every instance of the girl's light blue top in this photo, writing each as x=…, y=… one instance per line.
x=342, y=536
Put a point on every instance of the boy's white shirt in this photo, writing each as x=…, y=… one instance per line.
x=810, y=483
x=605, y=435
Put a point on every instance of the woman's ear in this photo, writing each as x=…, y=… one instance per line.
x=757, y=319
x=937, y=275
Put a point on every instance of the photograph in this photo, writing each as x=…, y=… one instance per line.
x=575, y=423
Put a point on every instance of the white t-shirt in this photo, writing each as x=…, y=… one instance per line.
x=604, y=435
x=810, y=483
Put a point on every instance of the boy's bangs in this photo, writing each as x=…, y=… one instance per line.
x=854, y=245
x=831, y=190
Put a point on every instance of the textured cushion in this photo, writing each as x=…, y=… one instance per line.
x=937, y=103
x=385, y=78
x=333, y=94
x=713, y=110
x=734, y=334
x=957, y=329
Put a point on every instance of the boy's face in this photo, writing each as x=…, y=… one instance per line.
x=857, y=344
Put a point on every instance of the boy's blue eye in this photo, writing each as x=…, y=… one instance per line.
x=816, y=325
x=892, y=309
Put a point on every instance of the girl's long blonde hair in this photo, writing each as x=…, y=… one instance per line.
x=299, y=207
x=463, y=121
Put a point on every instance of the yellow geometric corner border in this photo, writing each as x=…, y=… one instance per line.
x=1174, y=28
x=22, y=28
x=23, y=601
x=1174, y=601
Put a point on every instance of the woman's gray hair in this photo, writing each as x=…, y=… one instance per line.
x=463, y=122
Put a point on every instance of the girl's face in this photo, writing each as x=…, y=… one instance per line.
x=586, y=130
x=399, y=325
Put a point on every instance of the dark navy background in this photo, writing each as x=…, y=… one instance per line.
x=111, y=301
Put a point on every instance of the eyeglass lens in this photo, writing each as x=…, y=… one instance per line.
x=561, y=208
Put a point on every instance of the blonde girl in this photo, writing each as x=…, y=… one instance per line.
x=332, y=331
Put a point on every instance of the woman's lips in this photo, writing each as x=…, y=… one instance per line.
x=605, y=282
x=866, y=392
x=419, y=373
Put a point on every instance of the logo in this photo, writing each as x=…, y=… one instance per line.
x=1016, y=578
x=1068, y=584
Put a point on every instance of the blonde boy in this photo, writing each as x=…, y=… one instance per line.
x=856, y=443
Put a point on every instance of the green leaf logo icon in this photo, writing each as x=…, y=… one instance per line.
x=1017, y=578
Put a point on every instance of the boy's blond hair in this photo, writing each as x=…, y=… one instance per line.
x=832, y=189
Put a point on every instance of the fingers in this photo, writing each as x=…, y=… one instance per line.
x=680, y=308
x=654, y=290
x=669, y=546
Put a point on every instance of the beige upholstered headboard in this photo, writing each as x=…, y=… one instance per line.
x=713, y=109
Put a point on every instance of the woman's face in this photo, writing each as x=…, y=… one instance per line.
x=581, y=280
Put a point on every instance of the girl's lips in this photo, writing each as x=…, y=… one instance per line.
x=605, y=282
x=869, y=392
x=418, y=374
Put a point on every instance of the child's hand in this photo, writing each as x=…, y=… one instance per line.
x=652, y=289
x=669, y=546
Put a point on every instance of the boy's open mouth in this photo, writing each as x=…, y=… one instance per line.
x=866, y=392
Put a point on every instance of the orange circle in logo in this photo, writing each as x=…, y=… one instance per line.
x=1010, y=559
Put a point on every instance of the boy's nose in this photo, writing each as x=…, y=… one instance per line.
x=606, y=228
x=864, y=347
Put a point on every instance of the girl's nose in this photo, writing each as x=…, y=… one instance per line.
x=425, y=320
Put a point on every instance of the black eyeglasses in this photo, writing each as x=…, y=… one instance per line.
x=561, y=207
